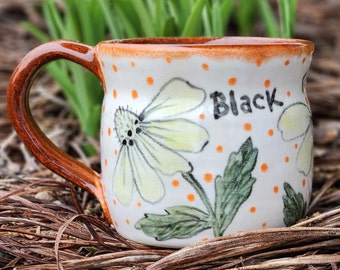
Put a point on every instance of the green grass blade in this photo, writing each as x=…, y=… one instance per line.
x=227, y=8
x=35, y=31
x=107, y=12
x=53, y=19
x=60, y=76
x=193, y=25
x=169, y=28
x=270, y=23
x=174, y=12
x=72, y=26
x=143, y=14
x=86, y=25
x=161, y=18
x=206, y=20
x=99, y=33
x=287, y=10
x=128, y=19
x=216, y=17
x=245, y=16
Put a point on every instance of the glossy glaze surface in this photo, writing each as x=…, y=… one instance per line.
x=200, y=137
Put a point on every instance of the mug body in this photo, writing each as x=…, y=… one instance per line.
x=204, y=137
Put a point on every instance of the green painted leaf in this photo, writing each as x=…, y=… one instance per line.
x=294, y=205
x=178, y=222
x=235, y=186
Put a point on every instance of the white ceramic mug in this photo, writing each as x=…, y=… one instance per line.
x=200, y=137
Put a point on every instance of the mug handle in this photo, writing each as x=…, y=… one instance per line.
x=26, y=127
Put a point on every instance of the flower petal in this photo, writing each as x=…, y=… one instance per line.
x=122, y=177
x=149, y=184
x=294, y=121
x=178, y=134
x=175, y=97
x=305, y=155
x=160, y=157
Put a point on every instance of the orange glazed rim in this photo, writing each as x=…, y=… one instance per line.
x=248, y=48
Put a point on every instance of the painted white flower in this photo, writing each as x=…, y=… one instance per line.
x=296, y=122
x=150, y=141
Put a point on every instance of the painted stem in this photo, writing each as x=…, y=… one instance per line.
x=200, y=191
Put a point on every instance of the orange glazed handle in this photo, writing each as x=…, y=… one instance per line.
x=26, y=127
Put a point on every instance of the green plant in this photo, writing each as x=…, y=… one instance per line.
x=90, y=21
x=285, y=26
x=81, y=89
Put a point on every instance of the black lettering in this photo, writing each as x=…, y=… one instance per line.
x=220, y=107
x=246, y=106
x=271, y=100
x=233, y=104
x=256, y=105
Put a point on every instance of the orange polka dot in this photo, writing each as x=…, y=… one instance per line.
x=202, y=116
x=175, y=183
x=116, y=152
x=168, y=59
x=264, y=225
x=149, y=80
x=276, y=189
x=133, y=64
x=296, y=146
x=270, y=132
x=303, y=60
x=258, y=62
x=288, y=93
x=103, y=108
x=114, y=93
x=232, y=81
x=208, y=177
x=109, y=131
x=287, y=62
x=205, y=66
x=134, y=94
x=266, y=83
x=191, y=197
x=115, y=68
x=252, y=209
x=139, y=204
x=247, y=127
x=127, y=221
x=114, y=202
x=286, y=159
x=264, y=167
x=304, y=182
x=219, y=149
x=105, y=162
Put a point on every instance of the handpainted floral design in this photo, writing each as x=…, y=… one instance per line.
x=294, y=205
x=151, y=141
x=232, y=189
x=296, y=122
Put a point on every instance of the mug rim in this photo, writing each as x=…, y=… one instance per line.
x=226, y=41
x=250, y=49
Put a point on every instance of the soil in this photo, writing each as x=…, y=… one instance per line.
x=29, y=193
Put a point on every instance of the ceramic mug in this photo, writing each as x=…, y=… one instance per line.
x=200, y=137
